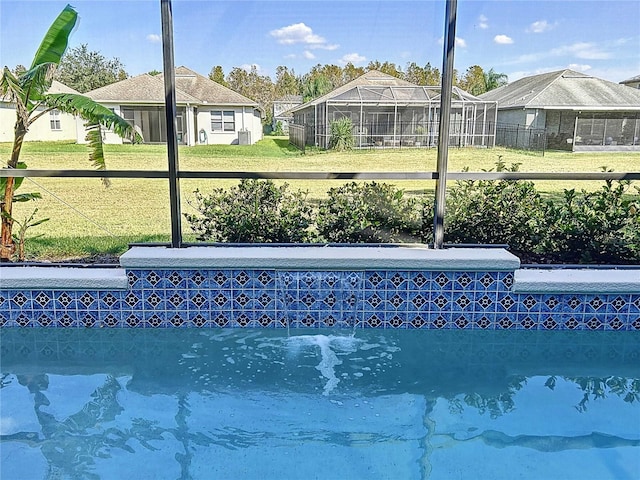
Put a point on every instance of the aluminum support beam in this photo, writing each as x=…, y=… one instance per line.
x=445, y=116
x=170, y=110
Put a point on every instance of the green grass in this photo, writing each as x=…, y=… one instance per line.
x=86, y=218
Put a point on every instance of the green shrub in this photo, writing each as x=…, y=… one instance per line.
x=369, y=213
x=341, y=134
x=594, y=227
x=255, y=211
x=495, y=212
x=279, y=130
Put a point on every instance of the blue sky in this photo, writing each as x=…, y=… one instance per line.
x=515, y=37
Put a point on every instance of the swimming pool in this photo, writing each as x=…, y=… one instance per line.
x=327, y=404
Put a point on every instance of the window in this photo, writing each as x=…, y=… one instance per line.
x=54, y=119
x=223, y=121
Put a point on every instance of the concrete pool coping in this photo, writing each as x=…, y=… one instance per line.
x=412, y=257
x=357, y=258
x=63, y=278
x=577, y=281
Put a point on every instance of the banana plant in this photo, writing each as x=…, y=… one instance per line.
x=27, y=91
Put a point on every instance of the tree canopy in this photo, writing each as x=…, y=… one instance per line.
x=85, y=70
x=322, y=79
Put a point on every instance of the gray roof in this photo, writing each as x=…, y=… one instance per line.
x=190, y=88
x=631, y=80
x=566, y=90
x=57, y=87
x=371, y=78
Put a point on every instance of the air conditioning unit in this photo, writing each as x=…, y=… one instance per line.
x=244, y=137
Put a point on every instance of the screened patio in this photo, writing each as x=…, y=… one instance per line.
x=398, y=116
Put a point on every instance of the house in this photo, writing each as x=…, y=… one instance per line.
x=53, y=126
x=388, y=112
x=206, y=112
x=281, y=109
x=576, y=111
x=633, y=82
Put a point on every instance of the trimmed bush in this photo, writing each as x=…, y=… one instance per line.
x=495, y=212
x=594, y=227
x=256, y=211
x=369, y=213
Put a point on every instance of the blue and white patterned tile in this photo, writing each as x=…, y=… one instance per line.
x=419, y=281
x=618, y=304
x=574, y=304
x=462, y=320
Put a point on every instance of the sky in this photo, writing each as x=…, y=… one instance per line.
x=514, y=37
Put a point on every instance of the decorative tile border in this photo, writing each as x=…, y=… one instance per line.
x=269, y=298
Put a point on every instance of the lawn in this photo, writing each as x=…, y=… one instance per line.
x=87, y=218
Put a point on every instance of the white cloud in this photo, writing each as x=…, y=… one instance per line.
x=308, y=55
x=460, y=42
x=296, y=33
x=354, y=58
x=326, y=46
x=502, y=39
x=540, y=26
x=482, y=22
x=153, y=38
x=579, y=67
x=582, y=50
x=303, y=34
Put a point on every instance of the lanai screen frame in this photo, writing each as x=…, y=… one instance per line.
x=472, y=124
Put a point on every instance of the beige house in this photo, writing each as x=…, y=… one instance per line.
x=53, y=126
x=207, y=112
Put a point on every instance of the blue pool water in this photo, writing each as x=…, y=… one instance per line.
x=258, y=404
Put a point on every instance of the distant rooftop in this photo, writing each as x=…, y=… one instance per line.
x=565, y=89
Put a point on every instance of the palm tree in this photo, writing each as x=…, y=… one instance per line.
x=493, y=80
x=27, y=90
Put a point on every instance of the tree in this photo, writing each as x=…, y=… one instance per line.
x=473, y=81
x=426, y=75
x=351, y=72
x=389, y=68
x=28, y=92
x=217, y=75
x=286, y=82
x=154, y=72
x=252, y=85
x=476, y=81
x=85, y=70
x=316, y=87
x=493, y=80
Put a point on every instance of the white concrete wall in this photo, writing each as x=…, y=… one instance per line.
x=244, y=119
x=41, y=128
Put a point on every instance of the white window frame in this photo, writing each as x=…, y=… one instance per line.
x=54, y=120
x=223, y=121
